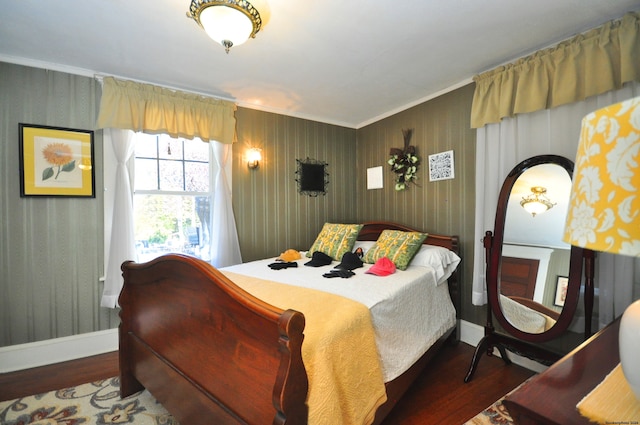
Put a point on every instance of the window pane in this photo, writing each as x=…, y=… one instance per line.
x=169, y=148
x=146, y=174
x=171, y=223
x=196, y=150
x=197, y=176
x=171, y=177
x=146, y=146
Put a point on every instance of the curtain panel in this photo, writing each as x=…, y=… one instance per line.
x=589, y=64
x=225, y=247
x=556, y=131
x=157, y=110
x=121, y=239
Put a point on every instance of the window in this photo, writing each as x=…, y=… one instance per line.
x=172, y=197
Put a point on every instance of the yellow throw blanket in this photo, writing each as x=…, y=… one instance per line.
x=339, y=351
x=612, y=401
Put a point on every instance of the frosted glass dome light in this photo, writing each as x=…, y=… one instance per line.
x=228, y=22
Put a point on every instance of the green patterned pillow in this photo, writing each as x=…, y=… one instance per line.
x=335, y=239
x=399, y=247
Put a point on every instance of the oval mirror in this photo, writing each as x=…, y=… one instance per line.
x=535, y=260
x=535, y=287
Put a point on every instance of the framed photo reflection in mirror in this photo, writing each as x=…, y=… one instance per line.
x=561, y=290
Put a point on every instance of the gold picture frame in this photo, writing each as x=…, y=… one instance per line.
x=56, y=161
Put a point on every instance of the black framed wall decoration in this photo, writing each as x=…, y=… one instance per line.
x=312, y=177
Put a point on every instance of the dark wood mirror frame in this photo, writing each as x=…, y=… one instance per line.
x=518, y=341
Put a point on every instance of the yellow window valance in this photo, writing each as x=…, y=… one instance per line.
x=155, y=110
x=592, y=63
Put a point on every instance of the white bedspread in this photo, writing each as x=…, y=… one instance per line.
x=409, y=311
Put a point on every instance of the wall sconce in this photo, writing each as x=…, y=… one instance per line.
x=254, y=156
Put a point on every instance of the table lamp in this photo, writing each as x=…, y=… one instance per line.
x=604, y=209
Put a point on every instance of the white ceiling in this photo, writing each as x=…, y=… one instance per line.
x=546, y=229
x=343, y=62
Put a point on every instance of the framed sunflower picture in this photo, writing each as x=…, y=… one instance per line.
x=56, y=161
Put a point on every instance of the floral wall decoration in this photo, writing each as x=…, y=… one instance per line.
x=404, y=162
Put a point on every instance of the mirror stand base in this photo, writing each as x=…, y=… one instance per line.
x=503, y=343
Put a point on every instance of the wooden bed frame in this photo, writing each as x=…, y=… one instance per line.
x=213, y=354
x=536, y=306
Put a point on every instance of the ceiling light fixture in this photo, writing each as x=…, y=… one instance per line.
x=228, y=22
x=537, y=202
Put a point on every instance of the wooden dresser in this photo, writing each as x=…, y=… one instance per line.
x=551, y=397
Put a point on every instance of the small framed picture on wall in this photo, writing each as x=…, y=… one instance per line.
x=441, y=166
x=56, y=161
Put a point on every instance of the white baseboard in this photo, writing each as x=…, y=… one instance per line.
x=471, y=334
x=41, y=353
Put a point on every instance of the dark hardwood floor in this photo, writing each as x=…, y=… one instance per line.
x=439, y=396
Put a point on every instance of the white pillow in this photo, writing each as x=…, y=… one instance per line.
x=365, y=245
x=442, y=260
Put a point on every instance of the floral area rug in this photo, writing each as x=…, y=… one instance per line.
x=496, y=414
x=96, y=403
x=99, y=403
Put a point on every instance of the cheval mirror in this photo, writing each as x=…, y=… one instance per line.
x=533, y=278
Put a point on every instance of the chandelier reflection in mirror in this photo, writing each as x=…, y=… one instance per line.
x=537, y=202
x=229, y=22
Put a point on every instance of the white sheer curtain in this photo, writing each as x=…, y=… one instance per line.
x=225, y=247
x=122, y=244
x=556, y=131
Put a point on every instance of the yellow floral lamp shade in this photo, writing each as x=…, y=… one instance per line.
x=604, y=210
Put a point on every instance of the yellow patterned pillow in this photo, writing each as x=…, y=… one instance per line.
x=335, y=239
x=399, y=247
